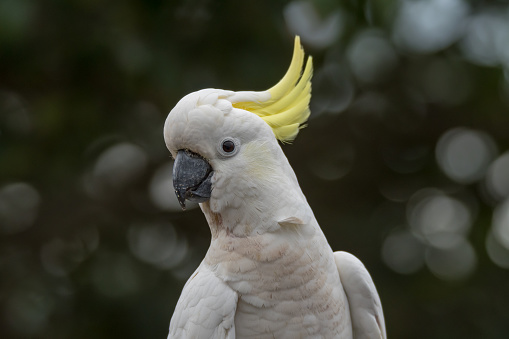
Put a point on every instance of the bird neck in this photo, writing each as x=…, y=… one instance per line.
x=256, y=204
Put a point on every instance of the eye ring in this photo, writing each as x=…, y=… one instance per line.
x=228, y=147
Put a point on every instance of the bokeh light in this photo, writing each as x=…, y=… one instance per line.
x=429, y=26
x=453, y=263
x=60, y=257
x=497, y=177
x=302, y=19
x=464, y=154
x=497, y=252
x=334, y=90
x=403, y=252
x=333, y=165
x=115, y=168
x=115, y=274
x=29, y=308
x=15, y=115
x=15, y=18
x=443, y=81
x=438, y=219
x=158, y=245
x=486, y=37
x=19, y=206
x=501, y=223
x=371, y=56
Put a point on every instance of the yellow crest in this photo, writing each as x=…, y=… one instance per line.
x=288, y=107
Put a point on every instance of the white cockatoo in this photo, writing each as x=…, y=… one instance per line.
x=269, y=271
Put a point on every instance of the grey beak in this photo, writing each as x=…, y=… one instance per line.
x=192, y=176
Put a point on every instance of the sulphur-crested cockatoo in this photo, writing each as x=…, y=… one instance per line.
x=269, y=271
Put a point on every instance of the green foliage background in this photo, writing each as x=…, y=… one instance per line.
x=79, y=243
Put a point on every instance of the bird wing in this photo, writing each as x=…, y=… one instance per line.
x=365, y=306
x=206, y=308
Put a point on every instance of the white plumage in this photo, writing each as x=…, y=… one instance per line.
x=269, y=271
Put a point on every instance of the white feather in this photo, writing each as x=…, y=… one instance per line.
x=206, y=308
x=365, y=306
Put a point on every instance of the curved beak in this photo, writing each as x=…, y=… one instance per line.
x=192, y=176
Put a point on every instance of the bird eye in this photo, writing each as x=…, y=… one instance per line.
x=228, y=147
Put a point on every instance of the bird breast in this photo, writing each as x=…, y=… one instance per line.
x=288, y=285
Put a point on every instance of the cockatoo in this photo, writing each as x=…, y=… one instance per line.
x=269, y=271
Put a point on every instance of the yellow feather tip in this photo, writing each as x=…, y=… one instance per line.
x=288, y=107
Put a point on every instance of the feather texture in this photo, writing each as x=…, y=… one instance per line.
x=365, y=306
x=286, y=108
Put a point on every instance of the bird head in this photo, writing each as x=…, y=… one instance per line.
x=225, y=143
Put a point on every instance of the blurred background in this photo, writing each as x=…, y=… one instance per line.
x=405, y=160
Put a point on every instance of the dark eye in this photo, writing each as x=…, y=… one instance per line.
x=228, y=146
